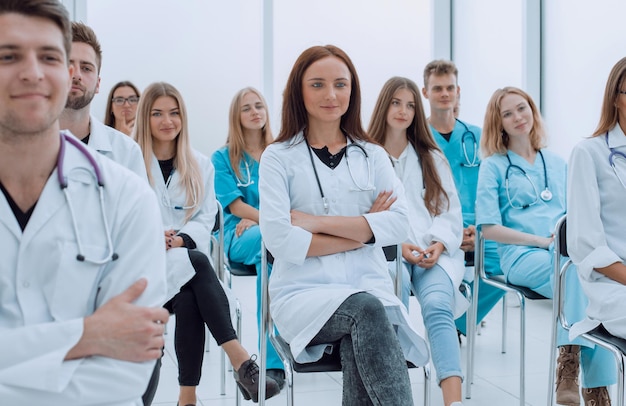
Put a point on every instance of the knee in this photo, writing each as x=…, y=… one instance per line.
x=200, y=262
x=369, y=306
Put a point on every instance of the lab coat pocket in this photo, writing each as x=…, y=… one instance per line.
x=77, y=282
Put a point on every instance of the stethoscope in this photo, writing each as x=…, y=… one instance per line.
x=546, y=194
x=241, y=183
x=467, y=134
x=110, y=255
x=354, y=145
x=165, y=198
x=612, y=155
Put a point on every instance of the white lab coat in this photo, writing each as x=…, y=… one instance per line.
x=45, y=293
x=446, y=228
x=117, y=146
x=596, y=221
x=199, y=227
x=305, y=292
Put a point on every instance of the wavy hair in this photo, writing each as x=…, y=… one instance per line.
x=494, y=140
x=609, y=115
x=419, y=136
x=235, y=141
x=184, y=160
x=294, y=114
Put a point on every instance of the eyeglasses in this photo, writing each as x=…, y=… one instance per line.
x=119, y=101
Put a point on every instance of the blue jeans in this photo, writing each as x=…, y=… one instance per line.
x=246, y=249
x=435, y=293
x=373, y=365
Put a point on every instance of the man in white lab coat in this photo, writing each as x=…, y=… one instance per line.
x=82, y=276
x=86, y=58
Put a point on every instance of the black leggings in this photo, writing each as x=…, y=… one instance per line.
x=200, y=301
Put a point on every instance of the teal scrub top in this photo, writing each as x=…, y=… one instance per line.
x=228, y=187
x=464, y=140
x=493, y=206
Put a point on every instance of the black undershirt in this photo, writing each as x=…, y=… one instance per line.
x=21, y=217
x=327, y=158
x=446, y=135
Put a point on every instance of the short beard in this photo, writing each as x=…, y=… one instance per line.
x=77, y=103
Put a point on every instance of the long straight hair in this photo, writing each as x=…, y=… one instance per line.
x=608, y=114
x=184, y=161
x=295, y=117
x=235, y=141
x=419, y=136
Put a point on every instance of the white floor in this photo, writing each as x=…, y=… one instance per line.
x=496, y=380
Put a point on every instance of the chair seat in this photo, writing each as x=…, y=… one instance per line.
x=240, y=269
x=330, y=361
x=527, y=292
x=602, y=334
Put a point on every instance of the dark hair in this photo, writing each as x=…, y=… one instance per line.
x=419, y=136
x=51, y=10
x=83, y=33
x=109, y=118
x=295, y=117
x=608, y=114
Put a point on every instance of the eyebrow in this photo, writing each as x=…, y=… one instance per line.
x=322, y=79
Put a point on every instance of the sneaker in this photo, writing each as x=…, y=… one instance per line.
x=247, y=378
x=278, y=375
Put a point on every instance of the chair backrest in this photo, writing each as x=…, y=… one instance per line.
x=560, y=236
x=217, y=242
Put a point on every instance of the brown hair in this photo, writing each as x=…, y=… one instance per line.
x=184, y=160
x=51, y=10
x=440, y=67
x=608, y=114
x=294, y=114
x=83, y=33
x=109, y=118
x=235, y=140
x=494, y=139
x=419, y=136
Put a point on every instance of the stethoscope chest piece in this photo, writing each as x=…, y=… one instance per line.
x=546, y=195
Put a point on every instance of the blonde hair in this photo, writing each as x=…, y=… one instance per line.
x=494, y=140
x=608, y=114
x=184, y=160
x=235, y=140
x=419, y=136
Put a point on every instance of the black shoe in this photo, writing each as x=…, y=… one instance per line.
x=277, y=375
x=247, y=378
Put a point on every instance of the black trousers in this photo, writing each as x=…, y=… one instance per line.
x=200, y=301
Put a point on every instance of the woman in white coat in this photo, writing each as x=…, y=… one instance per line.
x=329, y=202
x=596, y=216
x=183, y=182
x=433, y=260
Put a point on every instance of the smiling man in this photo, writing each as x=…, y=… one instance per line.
x=86, y=59
x=82, y=276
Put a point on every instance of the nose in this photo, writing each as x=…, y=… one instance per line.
x=32, y=71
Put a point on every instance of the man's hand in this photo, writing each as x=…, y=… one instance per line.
x=122, y=330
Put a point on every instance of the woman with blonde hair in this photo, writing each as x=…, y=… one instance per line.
x=432, y=258
x=237, y=189
x=182, y=179
x=521, y=196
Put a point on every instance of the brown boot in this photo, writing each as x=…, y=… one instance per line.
x=596, y=396
x=567, y=376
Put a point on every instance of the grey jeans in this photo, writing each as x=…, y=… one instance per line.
x=373, y=365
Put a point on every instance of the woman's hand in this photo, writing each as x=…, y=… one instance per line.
x=172, y=240
x=412, y=253
x=469, y=238
x=305, y=221
x=243, y=225
x=383, y=202
x=431, y=255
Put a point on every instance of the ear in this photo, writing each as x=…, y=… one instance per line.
x=98, y=86
x=424, y=92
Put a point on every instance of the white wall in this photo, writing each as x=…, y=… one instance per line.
x=209, y=50
x=582, y=43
